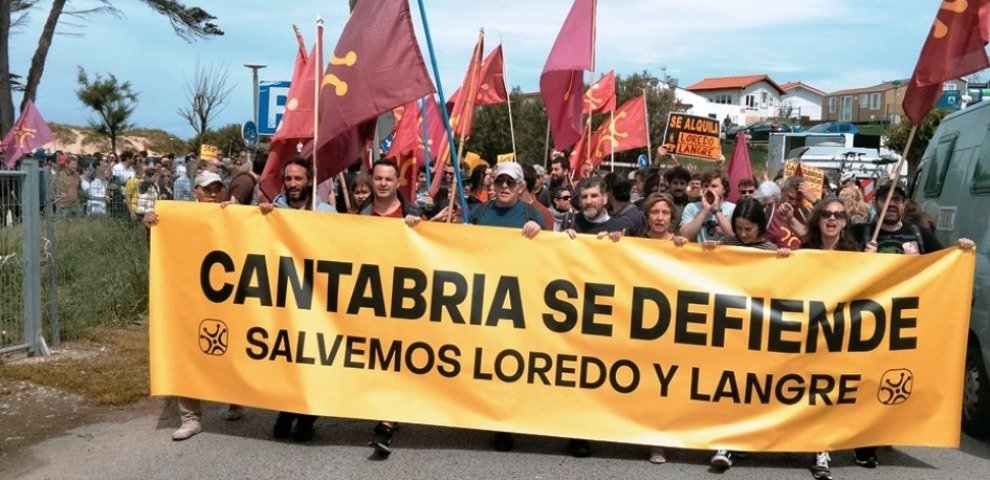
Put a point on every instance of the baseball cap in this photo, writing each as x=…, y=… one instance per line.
x=881, y=192
x=206, y=179
x=512, y=169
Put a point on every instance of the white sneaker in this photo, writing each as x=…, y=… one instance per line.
x=820, y=470
x=234, y=412
x=657, y=455
x=189, y=428
x=722, y=459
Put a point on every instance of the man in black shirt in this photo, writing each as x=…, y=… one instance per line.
x=896, y=235
x=593, y=217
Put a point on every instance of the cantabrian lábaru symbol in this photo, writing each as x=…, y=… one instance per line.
x=339, y=86
x=954, y=6
x=213, y=337
x=895, y=387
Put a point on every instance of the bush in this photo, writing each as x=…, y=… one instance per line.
x=101, y=273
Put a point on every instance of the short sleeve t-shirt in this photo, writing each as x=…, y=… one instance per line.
x=910, y=239
x=707, y=230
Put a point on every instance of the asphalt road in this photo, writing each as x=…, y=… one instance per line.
x=138, y=446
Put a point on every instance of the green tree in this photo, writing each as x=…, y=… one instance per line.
x=896, y=138
x=189, y=23
x=112, y=100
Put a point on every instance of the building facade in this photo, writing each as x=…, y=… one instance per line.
x=801, y=101
x=758, y=97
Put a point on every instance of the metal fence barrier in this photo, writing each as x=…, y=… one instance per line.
x=20, y=258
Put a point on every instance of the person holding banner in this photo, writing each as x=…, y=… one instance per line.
x=209, y=189
x=660, y=211
x=507, y=209
x=709, y=218
x=297, y=189
x=594, y=217
x=385, y=198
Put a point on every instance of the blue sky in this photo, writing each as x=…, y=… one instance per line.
x=829, y=44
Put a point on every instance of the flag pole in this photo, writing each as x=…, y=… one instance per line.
x=318, y=69
x=427, y=158
x=646, y=114
x=546, y=147
x=508, y=100
x=611, y=128
x=443, y=109
x=893, y=182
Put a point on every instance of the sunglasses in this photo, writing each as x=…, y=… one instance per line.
x=563, y=197
x=840, y=215
x=505, y=180
x=747, y=192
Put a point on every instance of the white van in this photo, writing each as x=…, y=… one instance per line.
x=953, y=186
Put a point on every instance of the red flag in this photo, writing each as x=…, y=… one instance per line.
x=375, y=67
x=297, y=120
x=562, y=80
x=739, y=166
x=491, y=88
x=955, y=48
x=460, y=106
x=600, y=97
x=626, y=130
x=579, y=155
x=407, y=146
x=28, y=133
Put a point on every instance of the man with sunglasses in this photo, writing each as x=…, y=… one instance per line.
x=746, y=188
x=506, y=209
x=209, y=189
x=897, y=235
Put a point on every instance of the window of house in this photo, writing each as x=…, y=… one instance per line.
x=831, y=105
x=751, y=101
x=938, y=165
x=981, y=174
x=864, y=100
x=875, y=101
x=763, y=99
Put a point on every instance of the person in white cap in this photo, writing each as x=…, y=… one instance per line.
x=505, y=209
x=209, y=189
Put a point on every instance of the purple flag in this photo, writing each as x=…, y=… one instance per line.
x=29, y=132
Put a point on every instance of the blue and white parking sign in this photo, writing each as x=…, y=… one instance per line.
x=272, y=96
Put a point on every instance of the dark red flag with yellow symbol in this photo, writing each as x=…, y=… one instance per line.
x=376, y=66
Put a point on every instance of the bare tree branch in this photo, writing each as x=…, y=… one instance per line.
x=207, y=94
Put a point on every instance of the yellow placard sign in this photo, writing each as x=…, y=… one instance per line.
x=637, y=341
x=813, y=176
x=209, y=152
x=506, y=157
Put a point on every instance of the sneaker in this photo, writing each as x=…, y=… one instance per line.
x=304, y=429
x=188, y=428
x=820, y=469
x=579, y=448
x=503, y=442
x=657, y=455
x=866, y=460
x=283, y=425
x=234, y=413
x=381, y=439
x=722, y=459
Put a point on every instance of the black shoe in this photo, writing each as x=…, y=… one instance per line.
x=304, y=428
x=283, y=425
x=503, y=442
x=381, y=439
x=579, y=448
x=866, y=460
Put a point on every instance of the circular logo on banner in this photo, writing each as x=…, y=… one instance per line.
x=213, y=337
x=895, y=387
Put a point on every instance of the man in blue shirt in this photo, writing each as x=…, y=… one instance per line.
x=506, y=209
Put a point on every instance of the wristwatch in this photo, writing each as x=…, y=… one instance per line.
x=716, y=209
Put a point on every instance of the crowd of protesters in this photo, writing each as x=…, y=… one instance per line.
x=670, y=204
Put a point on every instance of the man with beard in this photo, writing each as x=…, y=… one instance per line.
x=297, y=193
x=593, y=217
x=677, y=179
x=897, y=235
x=297, y=189
x=560, y=176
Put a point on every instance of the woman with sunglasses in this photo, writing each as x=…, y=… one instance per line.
x=828, y=229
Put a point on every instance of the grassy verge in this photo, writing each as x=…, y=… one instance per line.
x=110, y=367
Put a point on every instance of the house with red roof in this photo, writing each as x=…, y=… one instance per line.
x=801, y=101
x=757, y=96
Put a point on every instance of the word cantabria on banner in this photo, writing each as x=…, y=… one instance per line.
x=441, y=325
